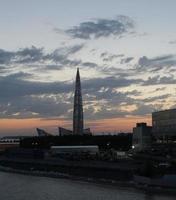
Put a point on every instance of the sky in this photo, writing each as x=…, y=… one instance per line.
x=125, y=50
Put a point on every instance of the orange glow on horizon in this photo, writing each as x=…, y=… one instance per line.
x=103, y=125
x=25, y=123
x=117, y=124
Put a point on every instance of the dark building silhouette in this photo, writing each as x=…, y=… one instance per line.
x=164, y=124
x=78, y=108
x=63, y=131
x=42, y=132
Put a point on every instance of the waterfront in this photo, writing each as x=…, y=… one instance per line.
x=22, y=187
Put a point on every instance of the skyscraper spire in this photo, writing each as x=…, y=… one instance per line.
x=78, y=107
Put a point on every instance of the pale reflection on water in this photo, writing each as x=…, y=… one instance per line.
x=22, y=187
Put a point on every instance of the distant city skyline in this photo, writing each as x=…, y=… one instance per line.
x=125, y=50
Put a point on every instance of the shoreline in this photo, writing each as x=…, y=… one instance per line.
x=100, y=181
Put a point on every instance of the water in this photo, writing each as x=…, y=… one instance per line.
x=23, y=187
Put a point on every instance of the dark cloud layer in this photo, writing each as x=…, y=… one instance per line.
x=103, y=97
x=101, y=28
x=13, y=86
x=22, y=98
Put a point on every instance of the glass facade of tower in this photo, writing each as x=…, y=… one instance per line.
x=164, y=123
x=78, y=108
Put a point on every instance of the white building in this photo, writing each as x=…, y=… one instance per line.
x=142, y=136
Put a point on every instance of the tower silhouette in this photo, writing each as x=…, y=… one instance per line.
x=78, y=108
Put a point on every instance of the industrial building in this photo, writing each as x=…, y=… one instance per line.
x=164, y=124
x=75, y=150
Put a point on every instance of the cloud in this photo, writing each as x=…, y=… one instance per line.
x=28, y=99
x=156, y=63
x=104, y=113
x=110, y=101
x=29, y=55
x=61, y=54
x=109, y=57
x=13, y=86
x=34, y=55
x=143, y=109
x=101, y=28
x=5, y=56
x=89, y=64
x=114, y=71
x=158, y=80
x=103, y=96
x=160, y=89
x=26, y=55
x=172, y=42
x=34, y=107
x=17, y=76
x=126, y=60
x=108, y=82
x=21, y=98
x=158, y=98
x=50, y=67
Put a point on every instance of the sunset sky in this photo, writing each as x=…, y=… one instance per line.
x=125, y=50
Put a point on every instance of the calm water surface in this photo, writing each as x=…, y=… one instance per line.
x=22, y=187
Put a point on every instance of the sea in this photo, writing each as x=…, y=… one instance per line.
x=26, y=187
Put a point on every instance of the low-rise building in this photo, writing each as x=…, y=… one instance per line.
x=8, y=142
x=64, y=132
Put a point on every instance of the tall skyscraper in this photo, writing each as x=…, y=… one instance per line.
x=78, y=122
x=78, y=108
